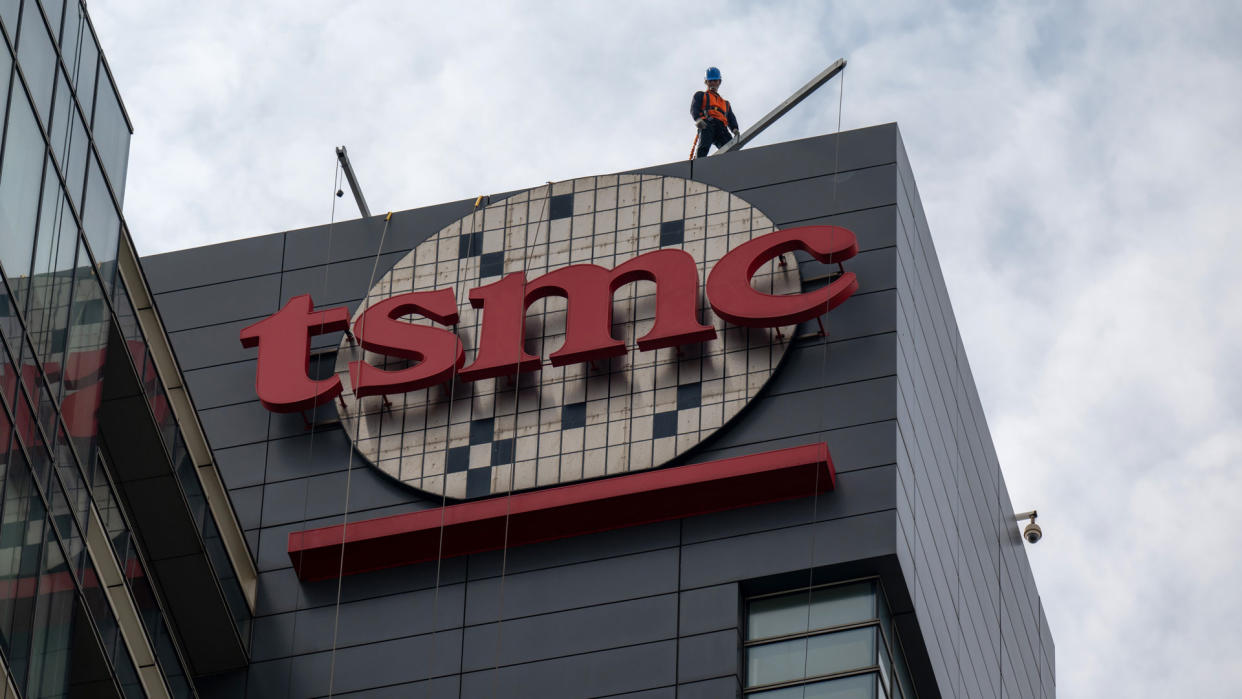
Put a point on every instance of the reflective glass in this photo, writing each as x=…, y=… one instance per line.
x=56, y=614
x=20, y=176
x=62, y=108
x=829, y=606
x=84, y=357
x=61, y=514
x=10, y=323
x=69, y=141
x=51, y=284
x=69, y=35
x=111, y=133
x=40, y=459
x=8, y=378
x=21, y=543
x=8, y=15
x=87, y=64
x=101, y=223
x=37, y=58
x=6, y=434
x=6, y=69
x=809, y=657
x=46, y=413
x=101, y=611
x=856, y=687
x=54, y=10
x=77, y=491
x=128, y=676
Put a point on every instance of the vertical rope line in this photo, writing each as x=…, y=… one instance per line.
x=504, y=550
x=823, y=379
x=448, y=424
x=349, y=470
x=310, y=450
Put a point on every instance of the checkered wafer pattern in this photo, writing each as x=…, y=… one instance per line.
x=564, y=424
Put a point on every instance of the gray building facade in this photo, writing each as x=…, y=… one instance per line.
x=920, y=517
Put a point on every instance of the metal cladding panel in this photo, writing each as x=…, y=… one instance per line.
x=576, y=616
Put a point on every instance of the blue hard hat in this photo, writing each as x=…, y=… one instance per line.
x=713, y=73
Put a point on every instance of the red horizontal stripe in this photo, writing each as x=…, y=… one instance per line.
x=563, y=511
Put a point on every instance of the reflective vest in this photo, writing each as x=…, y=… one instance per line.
x=715, y=107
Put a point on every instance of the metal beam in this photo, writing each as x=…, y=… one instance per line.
x=780, y=111
x=343, y=156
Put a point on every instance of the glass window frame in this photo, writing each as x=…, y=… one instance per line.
x=882, y=667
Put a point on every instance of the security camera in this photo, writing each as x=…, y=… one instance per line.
x=1032, y=531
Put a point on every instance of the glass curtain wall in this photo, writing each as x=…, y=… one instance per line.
x=829, y=642
x=63, y=159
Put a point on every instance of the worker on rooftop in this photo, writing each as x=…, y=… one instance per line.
x=712, y=114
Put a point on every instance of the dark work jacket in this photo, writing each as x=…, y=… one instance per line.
x=696, y=110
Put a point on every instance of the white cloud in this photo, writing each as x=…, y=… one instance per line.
x=1079, y=164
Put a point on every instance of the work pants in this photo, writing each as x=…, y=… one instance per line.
x=716, y=134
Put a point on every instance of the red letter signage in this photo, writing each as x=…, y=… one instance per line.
x=281, y=381
x=733, y=298
x=502, y=331
x=438, y=352
x=588, y=316
x=284, y=386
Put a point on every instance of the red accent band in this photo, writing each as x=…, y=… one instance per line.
x=564, y=511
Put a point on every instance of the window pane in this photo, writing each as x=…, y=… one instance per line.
x=19, y=188
x=8, y=14
x=791, y=660
x=843, y=604
x=21, y=539
x=111, y=135
x=841, y=651
x=101, y=224
x=51, y=283
x=54, y=9
x=6, y=68
x=69, y=34
x=84, y=358
x=88, y=63
x=830, y=606
x=777, y=616
x=857, y=687
x=37, y=58
x=776, y=662
x=53, y=621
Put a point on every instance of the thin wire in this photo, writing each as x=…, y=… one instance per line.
x=504, y=555
x=297, y=598
x=349, y=469
x=448, y=423
x=823, y=379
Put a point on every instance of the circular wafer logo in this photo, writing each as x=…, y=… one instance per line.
x=570, y=420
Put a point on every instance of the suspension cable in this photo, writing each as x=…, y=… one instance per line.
x=823, y=380
x=504, y=550
x=349, y=466
x=448, y=421
x=298, y=596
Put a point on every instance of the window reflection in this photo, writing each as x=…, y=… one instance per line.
x=111, y=133
x=20, y=177
x=830, y=641
x=37, y=58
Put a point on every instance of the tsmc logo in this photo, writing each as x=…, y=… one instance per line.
x=435, y=354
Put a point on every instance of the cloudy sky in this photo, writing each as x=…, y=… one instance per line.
x=1079, y=164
